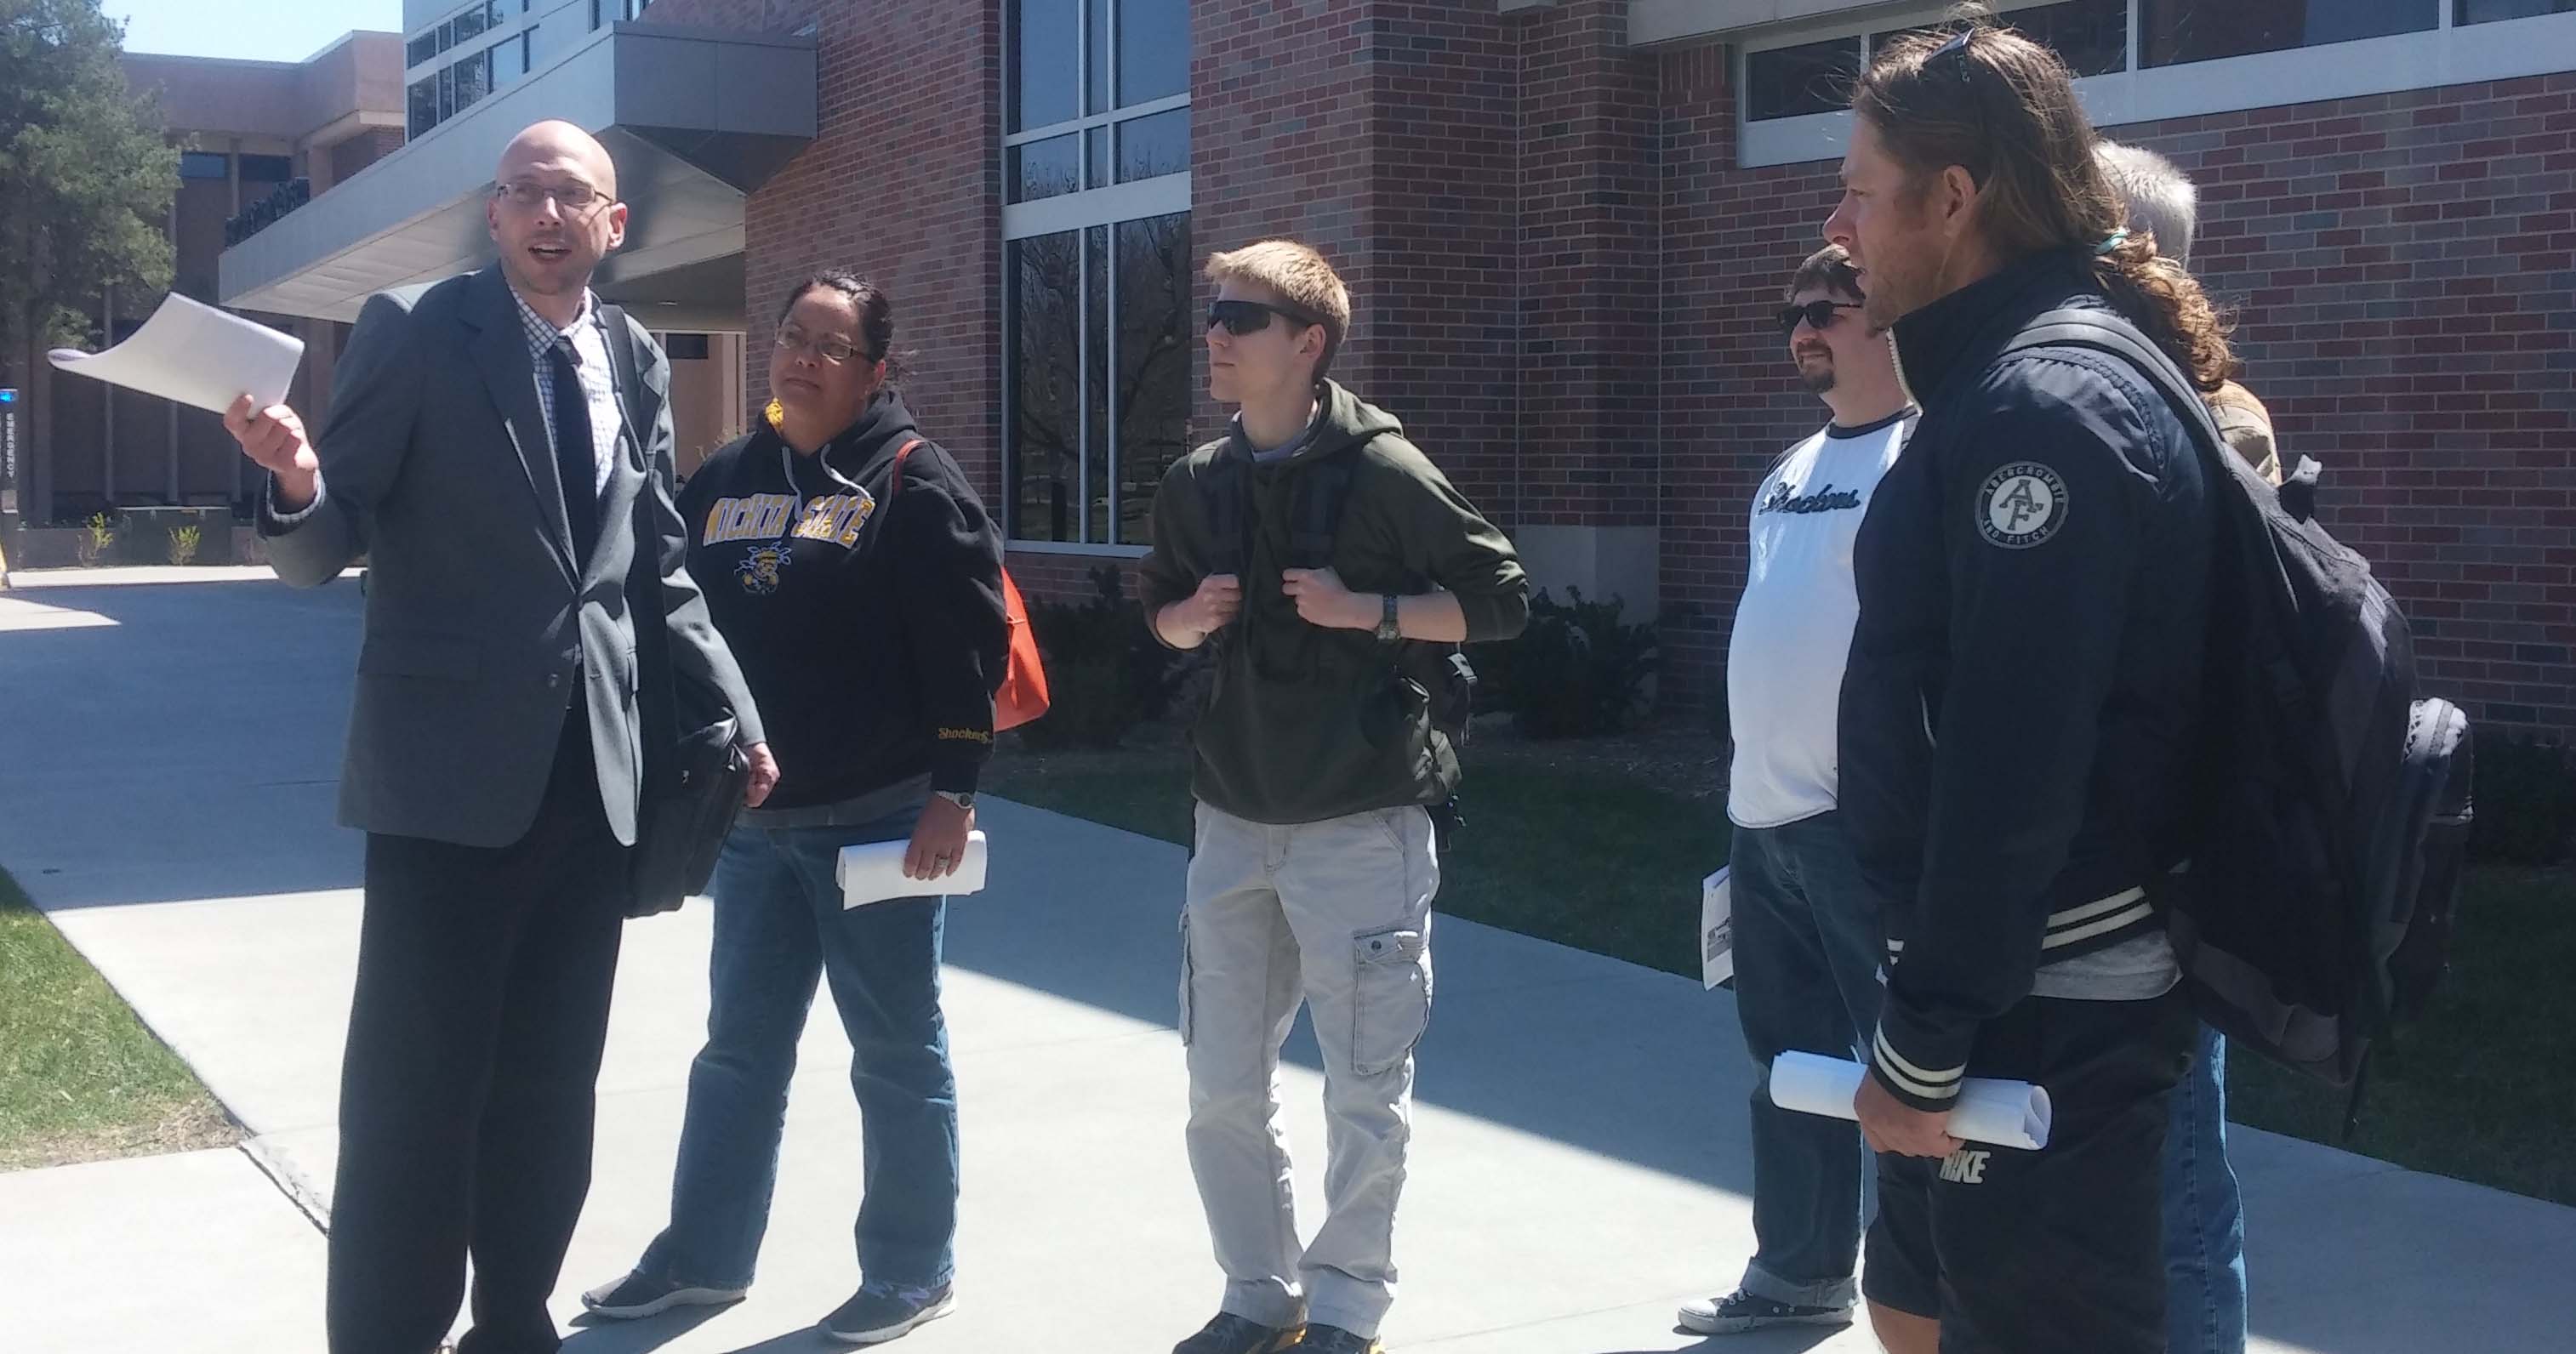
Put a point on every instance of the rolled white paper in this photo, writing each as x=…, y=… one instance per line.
x=1998, y=1113
x=873, y=873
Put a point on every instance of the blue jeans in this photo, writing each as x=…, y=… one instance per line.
x=1808, y=941
x=779, y=925
x=2204, y=1216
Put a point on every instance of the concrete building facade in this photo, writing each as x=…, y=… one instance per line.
x=1565, y=223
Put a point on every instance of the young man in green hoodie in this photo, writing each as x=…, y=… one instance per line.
x=1334, y=569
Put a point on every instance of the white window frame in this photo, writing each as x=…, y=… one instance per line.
x=2448, y=54
x=1080, y=210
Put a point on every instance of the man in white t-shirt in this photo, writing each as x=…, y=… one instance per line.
x=1807, y=937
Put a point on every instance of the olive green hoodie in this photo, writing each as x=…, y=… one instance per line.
x=1305, y=723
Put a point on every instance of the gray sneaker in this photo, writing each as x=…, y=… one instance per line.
x=1740, y=1311
x=880, y=1312
x=635, y=1297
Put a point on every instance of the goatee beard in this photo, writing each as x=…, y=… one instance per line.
x=1818, y=382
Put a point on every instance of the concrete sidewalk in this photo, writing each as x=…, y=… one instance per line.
x=1580, y=1164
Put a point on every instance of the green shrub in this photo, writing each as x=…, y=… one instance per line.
x=98, y=536
x=2525, y=796
x=1575, y=672
x=1105, y=674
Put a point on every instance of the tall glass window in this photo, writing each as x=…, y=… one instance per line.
x=1097, y=275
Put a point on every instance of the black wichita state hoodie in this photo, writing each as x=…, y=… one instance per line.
x=872, y=634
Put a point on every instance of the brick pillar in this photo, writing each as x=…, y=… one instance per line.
x=1383, y=134
x=1589, y=475
x=902, y=184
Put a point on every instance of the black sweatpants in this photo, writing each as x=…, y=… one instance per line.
x=467, y=1090
x=2055, y=1251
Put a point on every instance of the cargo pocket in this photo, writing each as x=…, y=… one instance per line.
x=1391, y=1001
x=1185, y=980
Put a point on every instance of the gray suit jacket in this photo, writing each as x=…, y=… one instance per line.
x=436, y=467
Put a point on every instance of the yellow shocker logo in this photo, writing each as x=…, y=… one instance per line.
x=759, y=571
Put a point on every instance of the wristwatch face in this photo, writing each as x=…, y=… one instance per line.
x=1387, y=629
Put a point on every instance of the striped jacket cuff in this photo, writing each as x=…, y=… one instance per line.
x=2075, y=925
x=1920, y=1078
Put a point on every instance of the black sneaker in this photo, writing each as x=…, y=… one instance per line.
x=635, y=1297
x=1335, y=1340
x=1740, y=1311
x=879, y=1312
x=1231, y=1334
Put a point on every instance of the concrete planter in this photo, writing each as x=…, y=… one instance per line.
x=142, y=537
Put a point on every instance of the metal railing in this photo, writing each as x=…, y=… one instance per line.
x=266, y=212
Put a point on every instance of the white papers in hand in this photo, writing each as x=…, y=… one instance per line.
x=1998, y=1113
x=1716, y=928
x=195, y=354
x=874, y=873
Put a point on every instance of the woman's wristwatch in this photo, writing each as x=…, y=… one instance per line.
x=964, y=799
x=1388, y=631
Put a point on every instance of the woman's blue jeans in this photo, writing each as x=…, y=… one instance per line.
x=779, y=927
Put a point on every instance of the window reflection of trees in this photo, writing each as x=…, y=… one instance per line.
x=1154, y=337
x=1140, y=391
x=1047, y=281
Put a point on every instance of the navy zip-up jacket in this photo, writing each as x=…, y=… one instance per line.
x=2025, y=677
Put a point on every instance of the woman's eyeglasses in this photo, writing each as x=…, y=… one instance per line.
x=1246, y=318
x=1816, y=315
x=833, y=350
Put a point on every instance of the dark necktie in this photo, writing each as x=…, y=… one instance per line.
x=576, y=460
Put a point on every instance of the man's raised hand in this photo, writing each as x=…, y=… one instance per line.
x=274, y=439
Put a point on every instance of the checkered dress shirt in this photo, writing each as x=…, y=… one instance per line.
x=587, y=340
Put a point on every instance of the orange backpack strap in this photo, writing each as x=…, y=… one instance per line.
x=901, y=455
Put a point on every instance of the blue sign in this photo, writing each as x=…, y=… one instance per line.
x=8, y=394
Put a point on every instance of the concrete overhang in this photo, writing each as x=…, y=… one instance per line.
x=1654, y=22
x=695, y=119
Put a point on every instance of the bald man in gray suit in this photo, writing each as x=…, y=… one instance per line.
x=488, y=442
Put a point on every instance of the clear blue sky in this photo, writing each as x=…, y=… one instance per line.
x=259, y=30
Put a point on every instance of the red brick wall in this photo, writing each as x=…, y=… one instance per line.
x=1563, y=282
x=358, y=152
x=902, y=184
x=2405, y=269
x=1588, y=272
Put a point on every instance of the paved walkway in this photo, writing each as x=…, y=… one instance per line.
x=1580, y=1165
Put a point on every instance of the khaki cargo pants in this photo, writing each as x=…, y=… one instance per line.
x=1337, y=913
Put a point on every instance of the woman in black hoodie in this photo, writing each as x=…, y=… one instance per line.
x=857, y=578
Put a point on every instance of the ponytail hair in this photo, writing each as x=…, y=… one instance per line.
x=2003, y=108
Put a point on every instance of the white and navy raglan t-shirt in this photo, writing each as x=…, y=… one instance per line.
x=1793, y=629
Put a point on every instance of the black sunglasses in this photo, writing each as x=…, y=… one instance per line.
x=1816, y=315
x=1246, y=318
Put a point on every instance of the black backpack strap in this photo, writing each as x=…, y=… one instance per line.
x=2078, y=328
x=1321, y=490
x=1226, y=489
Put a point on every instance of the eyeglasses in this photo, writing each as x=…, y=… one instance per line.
x=1816, y=315
x=1956, y=46
x=1246, y=318
x=575, y=197
x=833, y=350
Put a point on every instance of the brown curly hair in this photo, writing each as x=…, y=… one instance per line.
x=2003, y=108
